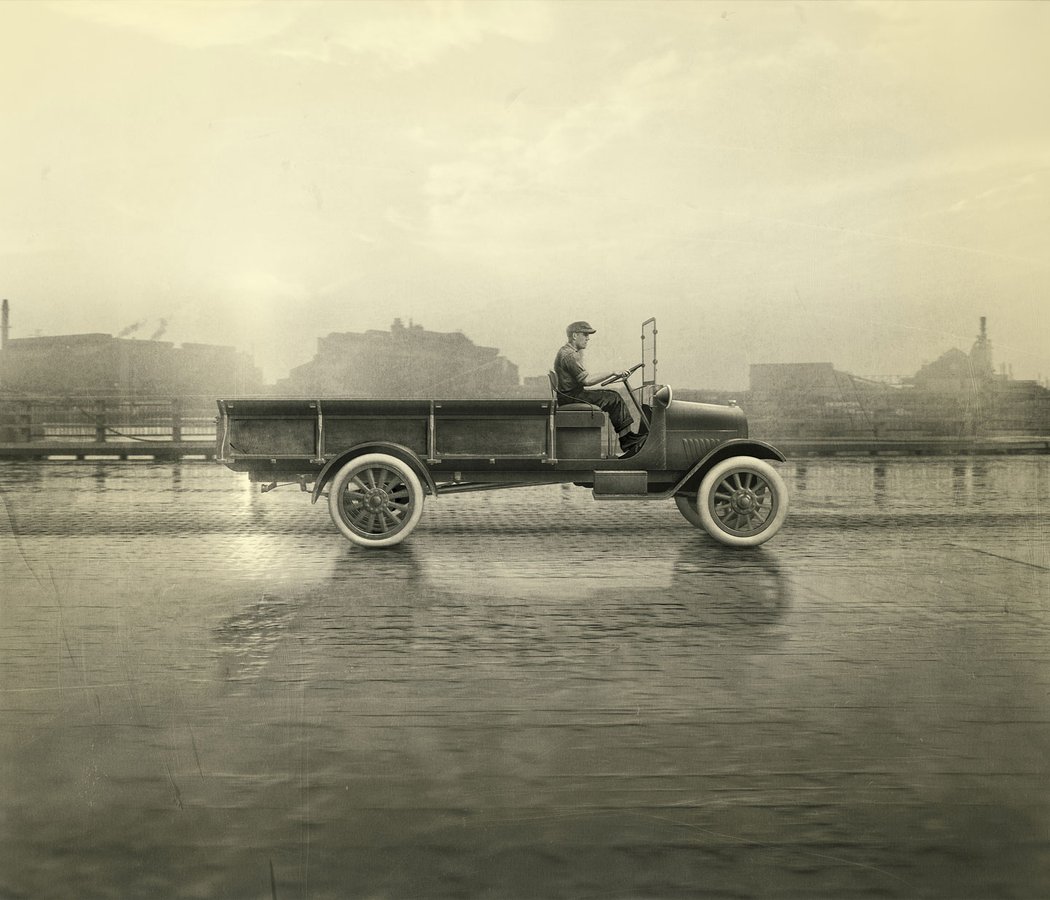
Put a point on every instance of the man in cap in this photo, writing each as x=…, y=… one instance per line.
x=574, y=379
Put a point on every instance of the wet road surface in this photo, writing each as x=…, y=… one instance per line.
x=207, y=692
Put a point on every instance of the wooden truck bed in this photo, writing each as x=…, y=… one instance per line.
x=299, y=435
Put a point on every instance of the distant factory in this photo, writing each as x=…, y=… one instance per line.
x=406, y=361
x=104, y=366
x=957, y=395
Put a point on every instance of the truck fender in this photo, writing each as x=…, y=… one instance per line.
x=734, y=447
x=396, y=450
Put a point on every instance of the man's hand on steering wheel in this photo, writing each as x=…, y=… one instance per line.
x=621, y=376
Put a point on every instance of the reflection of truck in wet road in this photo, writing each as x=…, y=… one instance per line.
x=377, y=460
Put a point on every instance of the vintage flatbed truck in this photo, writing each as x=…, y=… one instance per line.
x=377, y=460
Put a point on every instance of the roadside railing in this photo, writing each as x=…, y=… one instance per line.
x=125, y=423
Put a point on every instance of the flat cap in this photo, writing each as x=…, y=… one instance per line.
x=580, y=326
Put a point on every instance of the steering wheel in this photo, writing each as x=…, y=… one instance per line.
x=624, y=378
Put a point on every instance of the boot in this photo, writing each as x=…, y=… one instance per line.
x=630, y=444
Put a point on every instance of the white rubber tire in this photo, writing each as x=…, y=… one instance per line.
x=375, y=500
x=742, y=501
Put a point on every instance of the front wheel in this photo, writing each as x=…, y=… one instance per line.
x=742, y=501
x=376, y=500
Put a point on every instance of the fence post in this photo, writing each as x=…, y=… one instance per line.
x=100, y=421
x=30, y=430
x=34, y=419
x=14, y=418
x=176, y=420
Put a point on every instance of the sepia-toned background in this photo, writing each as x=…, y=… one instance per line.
x=776, y=182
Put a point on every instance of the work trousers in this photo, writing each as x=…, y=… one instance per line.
x=608, y=402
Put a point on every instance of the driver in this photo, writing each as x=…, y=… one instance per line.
x=574, y=379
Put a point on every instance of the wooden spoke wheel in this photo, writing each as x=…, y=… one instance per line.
x=742, y=502
x=376, y=500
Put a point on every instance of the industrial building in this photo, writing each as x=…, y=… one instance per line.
x=406, y=361
x=957, y=395
x=101, y=365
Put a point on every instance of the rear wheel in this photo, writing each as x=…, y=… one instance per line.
x=376, y=500
x=742, y=501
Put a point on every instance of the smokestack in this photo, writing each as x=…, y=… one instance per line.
x=4, y=324
x=984, y=330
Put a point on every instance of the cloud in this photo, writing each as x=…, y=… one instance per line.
x=406, y=35
x=256, y=283
x=491, y=182
x=195, y=25
x=1005, y=193
x=399, y=35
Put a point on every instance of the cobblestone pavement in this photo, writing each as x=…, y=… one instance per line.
x=206, y=692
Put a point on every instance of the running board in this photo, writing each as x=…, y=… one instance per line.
x=614, y=484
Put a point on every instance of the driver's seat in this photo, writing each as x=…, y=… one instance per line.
x=579, y=426
x=565, y=401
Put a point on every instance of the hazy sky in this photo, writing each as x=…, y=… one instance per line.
x=854, y=183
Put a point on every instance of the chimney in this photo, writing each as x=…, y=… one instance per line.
x=984, y=330
x=4, y=324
